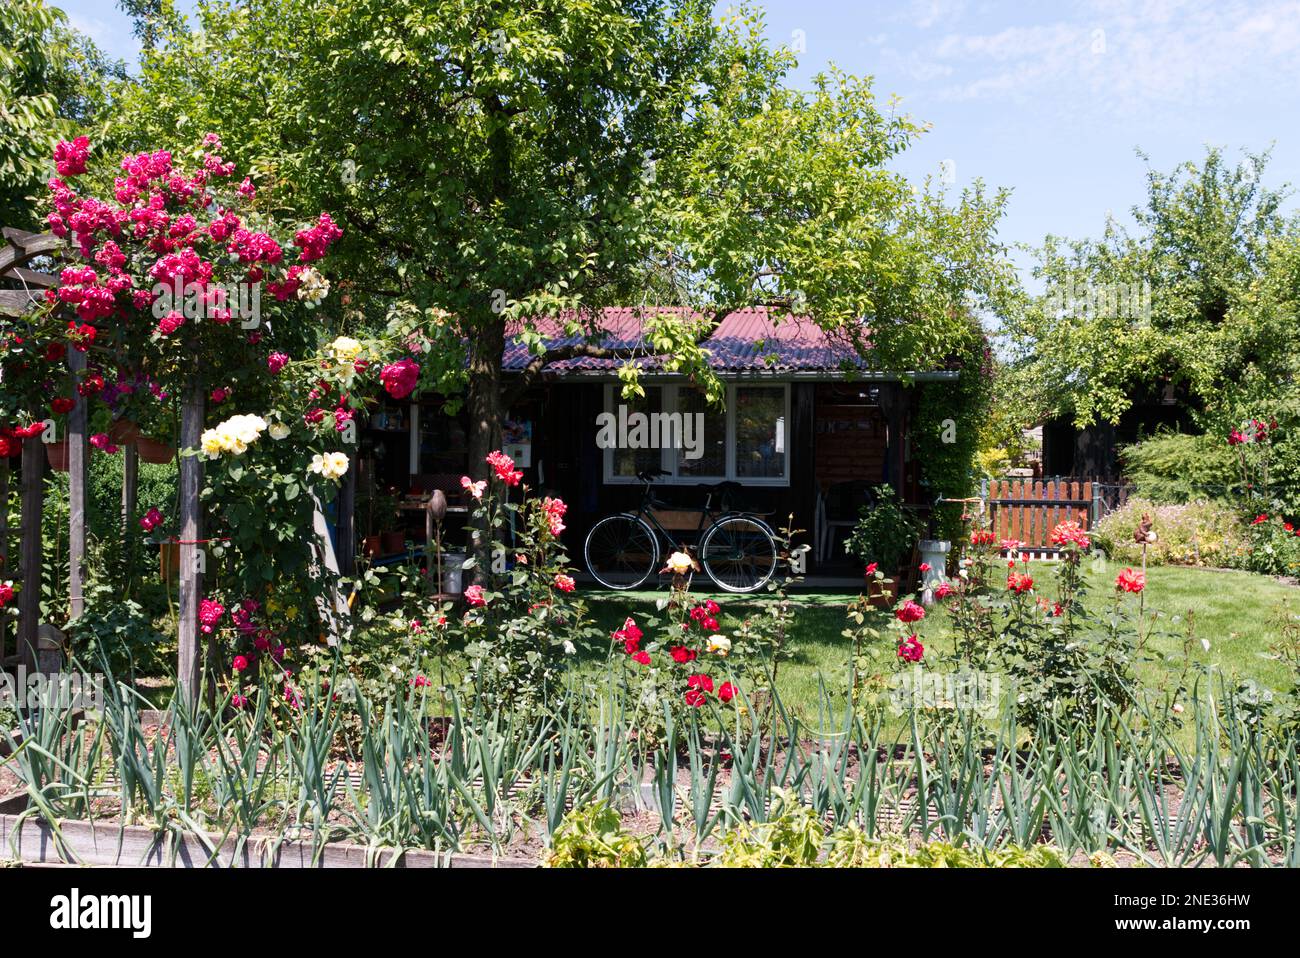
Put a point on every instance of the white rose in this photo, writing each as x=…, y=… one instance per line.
x=680, y=563
x=719, y=644
x=279, y=430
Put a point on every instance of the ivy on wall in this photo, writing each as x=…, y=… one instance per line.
x=946, y=430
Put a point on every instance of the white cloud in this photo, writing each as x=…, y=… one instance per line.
x=1121, y=56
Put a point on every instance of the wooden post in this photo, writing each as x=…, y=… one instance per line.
x=130, y=480
x=29, y=601
x=77, y=449
x=347, y=519
x=5, y=571
x=189, y=655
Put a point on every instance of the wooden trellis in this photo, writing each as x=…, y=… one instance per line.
x=26, y=289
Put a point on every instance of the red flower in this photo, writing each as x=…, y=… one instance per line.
x=701, y=682
x=642, y=657
x=419, y=682
x=909, y=612
x=239, y=664
x=727, y=691
x=474, y=596
x=871, y=568
x=911, y=649
x=924, y=567
x=504, y=467
x=61, y=404
x=564, y=582
x=1259, y=519
x=1130, y=581
x=943, y=590
x=695, y=698
x=1070, y=533
x=681, y=654
x=1019, y=582
x=91, y=385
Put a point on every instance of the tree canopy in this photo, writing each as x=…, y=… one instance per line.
x=1200, y=295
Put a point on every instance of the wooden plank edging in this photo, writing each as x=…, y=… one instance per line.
x=34, y=840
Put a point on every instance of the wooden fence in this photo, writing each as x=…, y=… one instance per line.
x=1028, y=509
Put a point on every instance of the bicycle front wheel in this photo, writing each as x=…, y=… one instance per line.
x=621, y=552
x=739, y=553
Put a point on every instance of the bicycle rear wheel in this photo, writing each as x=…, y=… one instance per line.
x=621, y=551
x=739, y=553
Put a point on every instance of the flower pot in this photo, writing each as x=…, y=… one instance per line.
x=453, y=573
x=57, y=454
x=392, y=542
x=151, y=450
x=934, y=552
x=123, y=431
x=169, y=561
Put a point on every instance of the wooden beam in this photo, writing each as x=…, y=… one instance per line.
x=29, y=600
x=130, y=482
x=77, y=455
x=16, y=302
x=190, y=659
x=5, y=571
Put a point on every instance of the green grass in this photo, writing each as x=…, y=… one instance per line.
x=1237, y=612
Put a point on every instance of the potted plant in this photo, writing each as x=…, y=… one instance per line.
x=885, y=535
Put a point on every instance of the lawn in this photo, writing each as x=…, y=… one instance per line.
x=1236, y=612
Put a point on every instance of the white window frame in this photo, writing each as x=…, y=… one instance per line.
x=668, y=457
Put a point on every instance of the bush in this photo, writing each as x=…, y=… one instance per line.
x=885, y=533
x=1271, y=547
x=1180, y=467
x=1199, y=533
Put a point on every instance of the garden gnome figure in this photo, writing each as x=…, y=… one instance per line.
x=1144, y=535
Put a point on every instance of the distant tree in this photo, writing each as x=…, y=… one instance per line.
x=1200, y=295
x=52, y=80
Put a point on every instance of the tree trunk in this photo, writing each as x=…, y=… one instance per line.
x=77, y=454
x=190, y=657
x=486, y=411
x=29, y=601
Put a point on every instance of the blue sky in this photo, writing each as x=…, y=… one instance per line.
x=1050, y=99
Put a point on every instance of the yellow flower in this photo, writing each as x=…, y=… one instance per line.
x=345, y=349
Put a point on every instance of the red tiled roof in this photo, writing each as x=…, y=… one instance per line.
x=747, y=340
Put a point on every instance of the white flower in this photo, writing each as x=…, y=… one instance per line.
x=331, y=465
x=1205, y=644
x=344, y=350
x=569, y=648
x=312, y=287
x=719, y=644
x=680, y=563
x=233, y=436
x=279, y=431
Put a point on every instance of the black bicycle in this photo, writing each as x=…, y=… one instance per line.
x=737, y=549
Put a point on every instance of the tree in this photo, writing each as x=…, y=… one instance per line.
x=1196, y=296
x=498, y=162
x=52, y=80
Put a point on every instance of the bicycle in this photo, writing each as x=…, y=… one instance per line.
x=737, y=549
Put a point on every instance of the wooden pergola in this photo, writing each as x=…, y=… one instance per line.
x=22, y=288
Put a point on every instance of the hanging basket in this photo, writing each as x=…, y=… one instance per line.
x=151, y=450
x=57, y=454
x=123, y=431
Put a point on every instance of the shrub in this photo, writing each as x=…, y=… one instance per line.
x=1181, y=467
x=1270, y=546
x=1199, y=533
x=885, y=533
x=593, y=837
